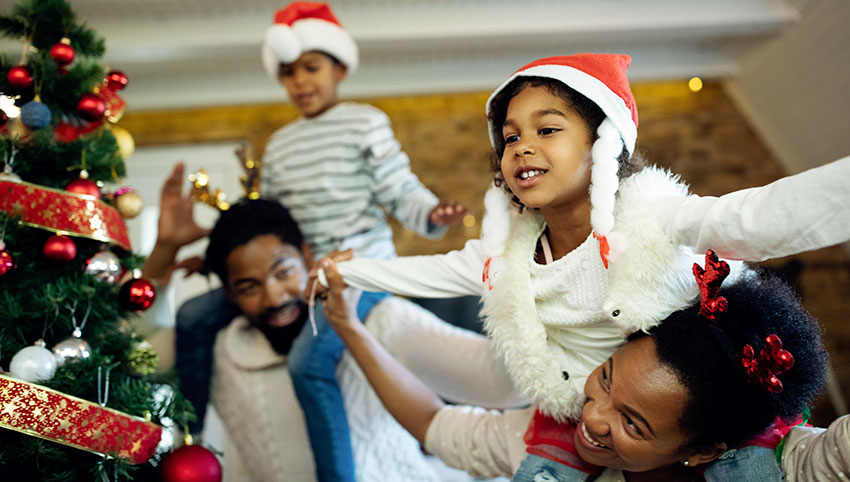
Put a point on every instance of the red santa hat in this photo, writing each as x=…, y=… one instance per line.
x=602, y=79
x=303, y=27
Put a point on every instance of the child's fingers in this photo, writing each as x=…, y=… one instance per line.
x=335, y=282
x=342, y=255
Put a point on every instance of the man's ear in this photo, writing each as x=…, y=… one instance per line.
x=307, y=253
x=705, y=456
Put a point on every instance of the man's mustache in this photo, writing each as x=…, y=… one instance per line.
x=299, y=304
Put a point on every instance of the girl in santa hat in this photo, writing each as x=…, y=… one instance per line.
x=581, y=246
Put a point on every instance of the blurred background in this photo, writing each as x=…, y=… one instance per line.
x=731, y=94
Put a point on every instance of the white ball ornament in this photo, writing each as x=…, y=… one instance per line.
x=33, y=363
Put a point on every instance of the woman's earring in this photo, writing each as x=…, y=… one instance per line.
x=686, y=463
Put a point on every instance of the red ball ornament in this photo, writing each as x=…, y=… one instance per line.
x=190, y=463
x=137, y=294
x=60, y=248
x=20, y=77
x=62, y=53
x=83, y=186
x=65, y=132
x=6, y=262
x=116, y=80
x=91, y=107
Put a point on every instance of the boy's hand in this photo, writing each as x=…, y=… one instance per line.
x=337, y=308
x=192, y=265
x=446, y=213
x=177, y=227
x=313, y=275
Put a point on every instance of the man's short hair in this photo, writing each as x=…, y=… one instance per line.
x=244, y=221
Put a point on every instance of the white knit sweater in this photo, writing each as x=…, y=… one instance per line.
x=252, y=392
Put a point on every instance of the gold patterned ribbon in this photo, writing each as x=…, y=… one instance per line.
x=64, y=212
x=41, y=412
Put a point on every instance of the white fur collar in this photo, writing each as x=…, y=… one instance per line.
x=648, y=282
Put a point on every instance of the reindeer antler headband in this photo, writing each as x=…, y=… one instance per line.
x=772, y=359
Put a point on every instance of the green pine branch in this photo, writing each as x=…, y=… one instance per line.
x=45, y=22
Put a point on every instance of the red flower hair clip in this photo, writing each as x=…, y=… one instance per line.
x=772, y=361
x=709, y=281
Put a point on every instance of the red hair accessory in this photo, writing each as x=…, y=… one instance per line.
x=772, y=361
x=709, y=281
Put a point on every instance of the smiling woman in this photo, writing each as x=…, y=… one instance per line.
x=672, y=399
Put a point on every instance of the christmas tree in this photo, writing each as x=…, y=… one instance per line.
x=81, y=400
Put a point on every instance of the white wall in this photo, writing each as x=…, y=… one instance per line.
x=147, y=168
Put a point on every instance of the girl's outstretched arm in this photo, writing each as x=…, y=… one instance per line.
x=405, y=397
x=803, y=212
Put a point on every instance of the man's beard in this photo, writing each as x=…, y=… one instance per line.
x=281, y=338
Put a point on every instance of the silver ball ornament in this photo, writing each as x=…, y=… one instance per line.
x=105, y=266
x=70, y=350
x=33, y=363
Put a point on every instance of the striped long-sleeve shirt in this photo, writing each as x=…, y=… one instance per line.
x=338, y=172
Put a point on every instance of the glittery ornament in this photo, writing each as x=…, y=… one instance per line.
x=143, y=359
x=71, y=349
x=128, y=202
x=126, y=144
x=91, y=107
x=104, y=266
x=190, y=463
x=137, y=294
x=20, y=77
x=35, y=115
x=33, y=363
x=84, y=186
x=62, y=53
x=60, y=248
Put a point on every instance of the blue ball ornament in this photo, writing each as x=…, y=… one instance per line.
x=35, y=115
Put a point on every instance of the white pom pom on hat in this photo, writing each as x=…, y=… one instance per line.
x=303, y=27
x=602, y=79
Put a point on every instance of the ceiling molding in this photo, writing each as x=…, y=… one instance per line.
x=197, y=53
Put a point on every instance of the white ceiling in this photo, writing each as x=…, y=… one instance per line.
x=189, y=53
x=786, y=63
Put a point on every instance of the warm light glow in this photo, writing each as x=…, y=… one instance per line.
x=695, y=84
x=8, y=106
x=469, y=220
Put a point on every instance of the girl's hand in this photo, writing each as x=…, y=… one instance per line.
x=338, y=311
x=446, y=213
x=313, y=275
